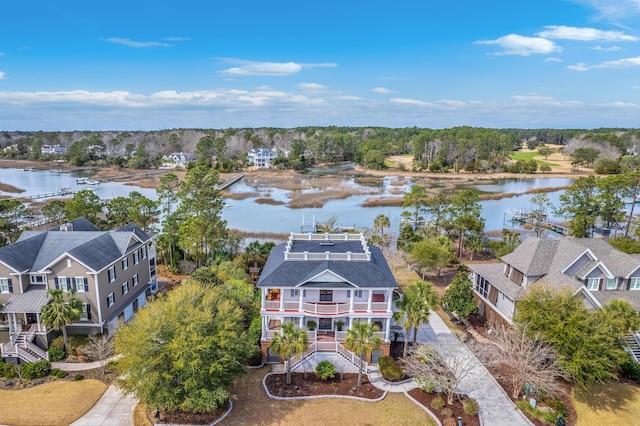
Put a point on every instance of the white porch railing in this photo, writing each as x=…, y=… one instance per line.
x=326, y=309
x=272, y=305
x=360, y=306
x=326, y=347
x=379, y=306
x=36, y=349
x=312, y=335
x=291, y=306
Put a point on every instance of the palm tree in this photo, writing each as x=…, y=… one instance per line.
x=58, y=313
x=291, y=341
x=414, y=309
x=362, y=340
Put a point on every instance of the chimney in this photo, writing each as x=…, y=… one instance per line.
x=66, y=227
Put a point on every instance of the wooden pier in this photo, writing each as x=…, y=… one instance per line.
x=521, y=216
x=231, y=181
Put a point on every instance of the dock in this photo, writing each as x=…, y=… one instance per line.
x=224, y=185
x=521, y=216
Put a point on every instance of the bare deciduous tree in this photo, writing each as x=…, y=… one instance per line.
x=527, y=362
x=99, y=348
x=429, y=366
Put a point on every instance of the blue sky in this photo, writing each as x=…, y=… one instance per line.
x=116, y=65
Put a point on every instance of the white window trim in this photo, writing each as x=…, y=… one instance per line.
x=593, y=280
x=111, y=300
x=135, y=280
x=609, y=281
x=32, y=279
x=136, y=257
x=4, y=284
x=125, y=263
x=635, y=283
x=111, y=274
x=125, y=287
x=64, y=284
x=79, y=284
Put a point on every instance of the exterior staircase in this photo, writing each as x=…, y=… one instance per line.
x=633, y=346
x=24, y=348
x=332, y=351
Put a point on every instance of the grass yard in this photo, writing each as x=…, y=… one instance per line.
x=252, y=406
x=55, y=403
x=528, y=156
x=608, y=404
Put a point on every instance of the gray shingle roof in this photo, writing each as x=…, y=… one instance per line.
x=35, y=251
x=494, y=272
x=363, y=274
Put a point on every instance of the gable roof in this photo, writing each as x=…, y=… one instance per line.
x=279, y=272
x=37, y=250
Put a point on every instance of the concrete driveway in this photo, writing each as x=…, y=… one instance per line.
x=112, y=409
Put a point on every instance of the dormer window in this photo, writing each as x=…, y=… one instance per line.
x=593, y=283
x=612, y=284
x=38, y=279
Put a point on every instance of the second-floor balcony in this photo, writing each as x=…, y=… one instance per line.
x=326, y=308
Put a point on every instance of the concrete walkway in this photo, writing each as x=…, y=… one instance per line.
x=375, y=377
x=112, y=409
x=80, y=366
x=496, y=408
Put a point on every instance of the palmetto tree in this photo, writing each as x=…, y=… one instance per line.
x=291, y=341
x=61, y=311
x=362, y=340
x=414, y=308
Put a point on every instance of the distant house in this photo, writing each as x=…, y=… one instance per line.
x=113, y=273
x=53, y=149
x=261, y=157
x=331, y=280
x=590, y=267
x=176, y=160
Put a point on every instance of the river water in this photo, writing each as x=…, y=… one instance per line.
x=247, y=215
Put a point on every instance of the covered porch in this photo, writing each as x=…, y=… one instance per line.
x=324, y=329
x=22, y=313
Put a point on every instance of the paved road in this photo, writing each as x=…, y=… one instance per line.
x=496, y=409
x=112, y=409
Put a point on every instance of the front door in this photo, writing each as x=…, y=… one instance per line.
x=31, y=318
x=325, y=324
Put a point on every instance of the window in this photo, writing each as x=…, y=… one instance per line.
x=593, y=283
x=111, y=273
x=326, y=295
x=125, y=263
x=38, y=279
x=136, y=257
x=63, y=283
x=144, y=252
x=482, y=286
x=5, y=285
x=135, y=280
x=68, y=263
x=612, y=283
x=125, y=287
x=111, y=299
x=81, y=284
x=85, y=315
x=295, y=293
x=635, y=283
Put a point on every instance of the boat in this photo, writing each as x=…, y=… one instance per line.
x=92, y=182
x=81, y=181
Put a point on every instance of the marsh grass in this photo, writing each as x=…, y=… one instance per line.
x=270, y=201
x=383, y=202
x=240, y=195
x=5, y=187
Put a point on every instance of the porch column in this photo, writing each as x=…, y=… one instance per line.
x=370, y=301
x=301, y=302
x=263, y=301
x=352, y=296
x=38, y=320
x=281, y=300
x=264, y=328
x=388, y=330
x=301, y=322
x=390, y=302
x=11, y=321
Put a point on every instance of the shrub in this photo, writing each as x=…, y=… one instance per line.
x=428, y=386
x=56, y=349
x=630, y=370
x=446, y=412
x=6, y=370
x=78, y=377
x=471, y=407
x=56, y=372
x=437, y=403
x=312, y=325
x=255, y=356
x=390, y=369
x=36, y=370
x=76, y=343
x=325, y=370
x=449, y=421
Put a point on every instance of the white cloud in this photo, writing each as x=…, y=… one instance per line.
x=608, y=49
x=563, y=32
x=620, y=63
x=350, y=98
x=2, y=75
x=249, y=68
x=409, y=102
x=312, y=87
x=133, y=43
x=514, y=44
x=383, y=90
x=613, y=9
x=176, y=38
x=552, y=59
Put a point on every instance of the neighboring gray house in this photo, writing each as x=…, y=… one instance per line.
x=590, y=267
x=331, y=279
x=261, y=157
x=113, y=272
x=177, y=160
x=53, y=149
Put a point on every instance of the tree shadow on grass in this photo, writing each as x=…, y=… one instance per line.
x=609, y=396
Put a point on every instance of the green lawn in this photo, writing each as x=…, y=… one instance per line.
x=528, y=156
x=608, y=404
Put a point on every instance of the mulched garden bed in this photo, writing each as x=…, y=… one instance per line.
x=182, y=418
x=307, y=384
x=456, y=408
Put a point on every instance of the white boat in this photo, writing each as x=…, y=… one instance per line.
x=92, y=182
x=81, y=181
